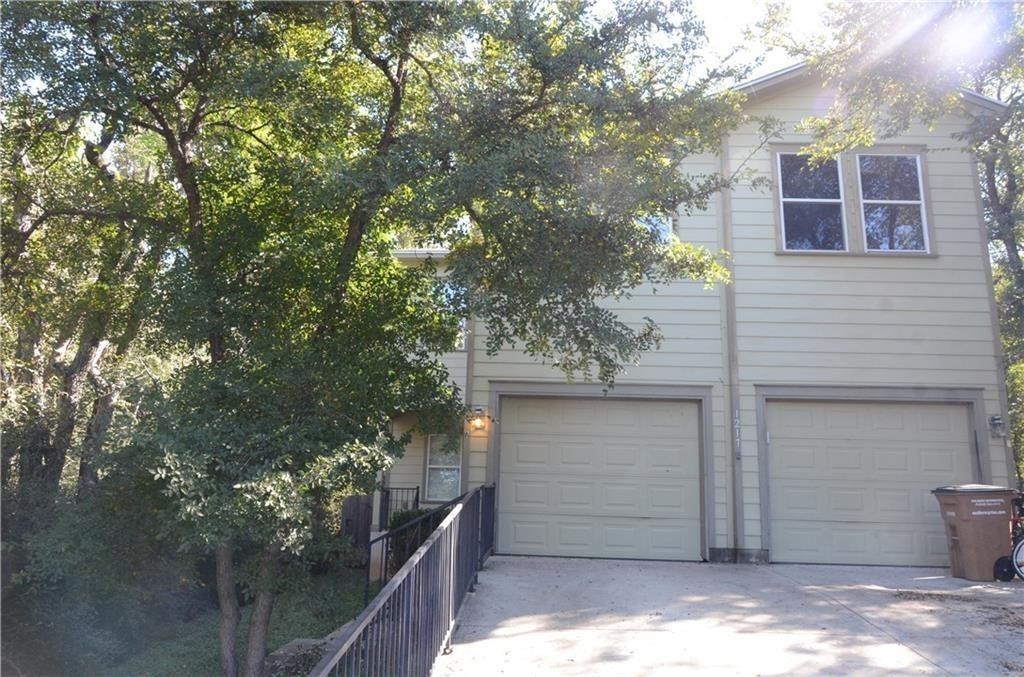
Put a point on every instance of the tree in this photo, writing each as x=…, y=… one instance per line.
x=917, y=58
x=74, y=280
x=292, y=143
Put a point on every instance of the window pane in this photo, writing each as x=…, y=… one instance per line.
x=442, y=484
x=810, y=225
x=441, y=456
x=800, y=180
x=894, y=227
x=889, y=177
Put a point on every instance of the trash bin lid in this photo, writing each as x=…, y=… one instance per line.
x=970, y=489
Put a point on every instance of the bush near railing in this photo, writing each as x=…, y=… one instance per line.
x=405, y=543
x=396, y=499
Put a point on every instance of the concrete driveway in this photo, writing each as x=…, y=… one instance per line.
x=551, y=616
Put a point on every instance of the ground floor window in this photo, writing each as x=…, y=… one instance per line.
x=444, y=469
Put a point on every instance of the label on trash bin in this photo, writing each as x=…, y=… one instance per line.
x=990, y=503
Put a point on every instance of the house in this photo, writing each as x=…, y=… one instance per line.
x=802, y=413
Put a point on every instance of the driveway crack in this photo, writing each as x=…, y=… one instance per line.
x=856, y=613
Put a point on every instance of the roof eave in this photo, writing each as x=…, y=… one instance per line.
x=982, y=101
x=773, y=79
x=765, y=84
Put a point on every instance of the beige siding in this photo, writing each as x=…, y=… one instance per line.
x=692, y=353
x=455, y=363
x=860, y=320
x=407, y=471
x=842, y=320
x=410, y=469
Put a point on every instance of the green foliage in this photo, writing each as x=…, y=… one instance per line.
x=1015, y=394
x=99, y=582
x=1011, y=331
x=401, y=517
x=100, y=544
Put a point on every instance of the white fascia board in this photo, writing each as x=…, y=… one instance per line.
x=419, y=254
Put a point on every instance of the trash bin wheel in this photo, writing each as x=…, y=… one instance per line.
x=1003, y=569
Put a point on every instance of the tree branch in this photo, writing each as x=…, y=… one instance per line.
x=356, y=33
x=248, y=132
x=94, y=151
x=441, y=96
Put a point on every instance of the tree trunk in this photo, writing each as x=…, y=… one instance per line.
x=95, y=434
x=227, y=600
x=27, y=457
x=87, y=359
x=259, y=624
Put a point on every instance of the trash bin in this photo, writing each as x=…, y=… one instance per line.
x=977, y=518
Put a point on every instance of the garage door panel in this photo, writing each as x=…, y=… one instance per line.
x=600, y=478
x=592, y=455
x=874, y=421
x=598, y=496
x=850, y=482
x=861, y=543
x=569, y=417
x=851, y=501
x=826, y=460
x=617, y=537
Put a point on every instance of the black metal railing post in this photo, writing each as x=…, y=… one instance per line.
x=384, y=516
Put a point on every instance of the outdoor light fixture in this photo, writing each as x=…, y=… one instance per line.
x=479, y=420
x=997, y=426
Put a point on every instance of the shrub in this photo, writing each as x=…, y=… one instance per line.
x=405, y=543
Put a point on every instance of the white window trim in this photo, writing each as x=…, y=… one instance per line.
x=841, y=202
x=425, y=498
x=919, y=202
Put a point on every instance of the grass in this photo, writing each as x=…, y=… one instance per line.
x=317, y=610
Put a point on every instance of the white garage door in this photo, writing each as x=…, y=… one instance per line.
x=599, y=478
x=850, y=483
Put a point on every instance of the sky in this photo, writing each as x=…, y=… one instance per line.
x=725, y=21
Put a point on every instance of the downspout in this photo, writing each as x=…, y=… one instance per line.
x=732, y=368
x=467, y=396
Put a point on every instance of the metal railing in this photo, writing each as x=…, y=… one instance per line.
x=393, y=499
x=390, y=550
x=407, y=624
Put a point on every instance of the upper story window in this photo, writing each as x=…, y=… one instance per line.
x=891, y=203
x=812, y=204
x=887, y=211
